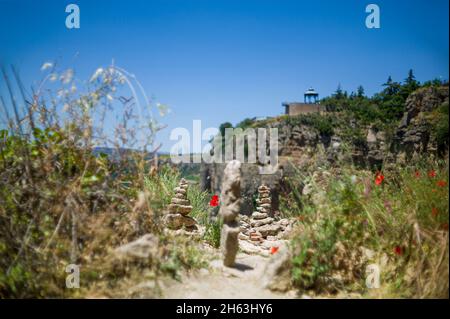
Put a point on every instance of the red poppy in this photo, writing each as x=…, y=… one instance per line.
x=273, y=250
x=379, y=179
x=441, y=183
x=432, y=173
x=214, y=201
x=417, y=174
x=434, y=211
x=398, y=250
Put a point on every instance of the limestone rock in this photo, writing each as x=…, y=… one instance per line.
x=177, y=221
x=269, y=229
x=180, y=201
x=180, y=209
x=277, y=274
x=258, y=215
x=229, y=210
x=142, y=248
x=261, y=222
x=231, y=192
x=229, y=243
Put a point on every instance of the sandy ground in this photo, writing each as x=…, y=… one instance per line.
x=219, y=282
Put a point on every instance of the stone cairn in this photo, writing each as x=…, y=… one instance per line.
x=229, y=211
x=177, y=215
x=261, y=229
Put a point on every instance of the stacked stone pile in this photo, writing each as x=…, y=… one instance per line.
x=260, y=229
x=177, y=215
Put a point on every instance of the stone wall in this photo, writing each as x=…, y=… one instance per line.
x=301, y=108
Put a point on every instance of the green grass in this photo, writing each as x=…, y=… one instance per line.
x=403, y=220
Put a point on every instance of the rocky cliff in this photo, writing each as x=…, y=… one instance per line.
x=307, y=145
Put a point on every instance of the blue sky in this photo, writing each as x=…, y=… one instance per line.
x=227, y=60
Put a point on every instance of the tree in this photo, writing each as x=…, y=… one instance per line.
x=339, y=94
x=411, y=79
x=392, y=87
x=360, y=91
x=223, y=126
x=410, y=85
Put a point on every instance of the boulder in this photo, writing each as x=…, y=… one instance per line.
x=143, y=248
x=277, y=273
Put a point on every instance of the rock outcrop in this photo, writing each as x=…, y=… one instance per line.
x=229, y=211
x=300, y=146
x=413, y=136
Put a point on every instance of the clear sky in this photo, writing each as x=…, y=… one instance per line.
x=225, y=60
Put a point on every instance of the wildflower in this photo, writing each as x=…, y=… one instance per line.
x=46, y=66
x=273, y=250
x=398, y=250
x=53, y=77
x=444, y=226
x=379, y=179
x=97, y=73
x=67, y=76
x=434, y=211
x=441, y=183
x=417, y=174
x=214, y=201
x=432, y=173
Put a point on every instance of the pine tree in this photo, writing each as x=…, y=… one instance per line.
x=360, y=91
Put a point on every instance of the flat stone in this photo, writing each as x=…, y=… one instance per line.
x=243, y=236
x=177, y=221
x=248, y=247
x=255, y=236
x=265, y=205
x=179, y=190
x=180, y=201
x=269, y=229
x=284, y=222
x=180, y=209
x=261, y=222
x=258, y=215
x=262, y=210
x=265, y=200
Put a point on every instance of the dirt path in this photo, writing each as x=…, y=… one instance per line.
x=217, y=282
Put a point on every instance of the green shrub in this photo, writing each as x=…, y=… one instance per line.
x=404, y=219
